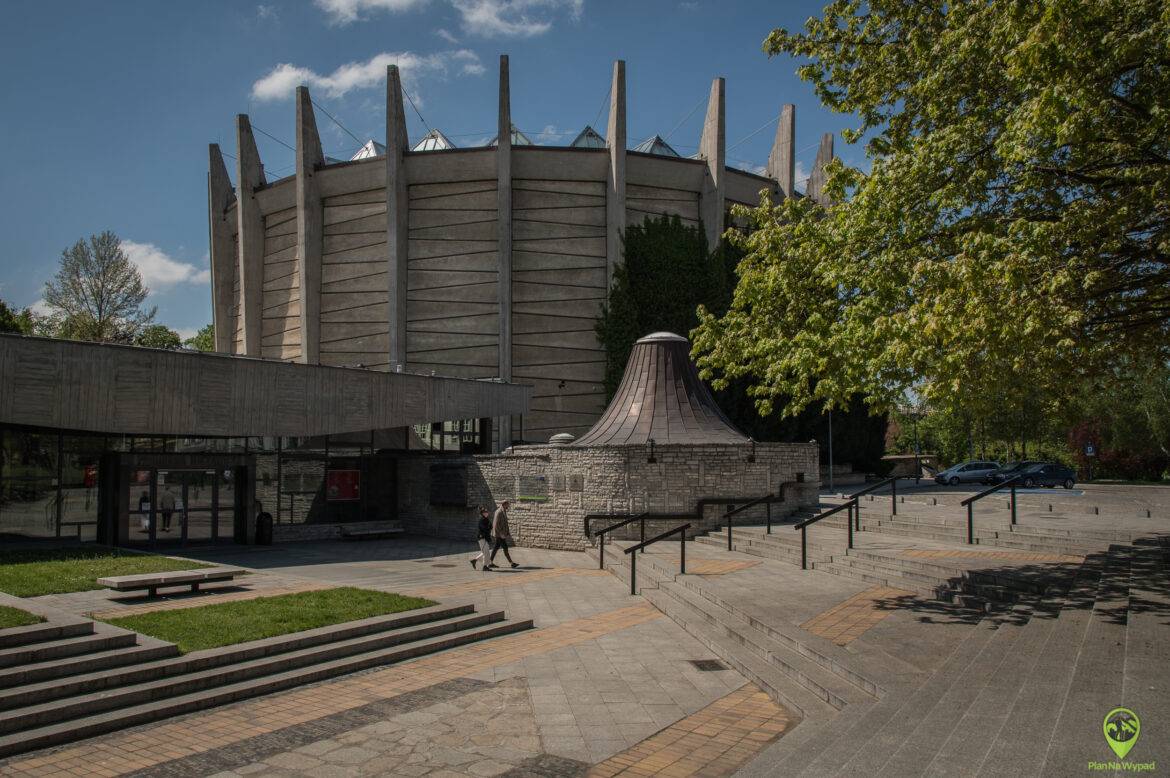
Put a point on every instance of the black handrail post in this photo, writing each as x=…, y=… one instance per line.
x=970, y=524
x=601, y=552
x=643, y=538
x=682, y=553
x=804, y=548
x=850, y=525
x=894, y=497
x=857, y=513
x=729, y=522
x=633, y=573
x=1013, y=504
x=769, y=507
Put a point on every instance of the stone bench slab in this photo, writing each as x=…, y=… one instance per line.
x=174, y=578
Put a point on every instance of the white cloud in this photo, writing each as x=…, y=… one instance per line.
x=447, y=36
x=801, y=176
x=160, y=271
x=267, y=13
x=282, y=80
x=187, y=332
x=41, y=308
x=348, y=11
x=512, y=18
x=486, y=18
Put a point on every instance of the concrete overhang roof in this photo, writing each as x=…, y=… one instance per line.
x=107, y=388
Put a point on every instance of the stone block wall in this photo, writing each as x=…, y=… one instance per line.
x=553, y=488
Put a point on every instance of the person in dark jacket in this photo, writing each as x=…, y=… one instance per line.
x=484, y=536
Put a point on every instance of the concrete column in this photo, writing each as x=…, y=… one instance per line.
x=220, y=196
x=504, y=216
x=397, y=213
x=310, y=226
x=816, y=178
x=615, y=193
x=713, y=149
x=249, y=180
x=782, y=160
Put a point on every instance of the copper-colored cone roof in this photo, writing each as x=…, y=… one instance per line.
x=661, y=397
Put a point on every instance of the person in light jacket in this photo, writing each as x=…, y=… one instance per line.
x=501, y=533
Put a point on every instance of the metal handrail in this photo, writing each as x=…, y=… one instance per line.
x=893, y=483
x=682, y=553
x=767, y=498
x=601, y=534
x=970, y=502
x=853, y=504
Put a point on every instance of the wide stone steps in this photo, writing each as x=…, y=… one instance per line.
x=58, y=648
x=46, y=631
x=77, y=706
x=805, y=680
x=37, y=672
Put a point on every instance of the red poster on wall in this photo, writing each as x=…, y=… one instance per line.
x=90, y=476
x=341, y=485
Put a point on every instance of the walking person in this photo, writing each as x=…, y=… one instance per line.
x=501, y=533
x=484, y=537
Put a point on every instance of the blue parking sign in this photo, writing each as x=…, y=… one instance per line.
x=1090, y=450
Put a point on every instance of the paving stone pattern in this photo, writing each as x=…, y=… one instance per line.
x=844, y=623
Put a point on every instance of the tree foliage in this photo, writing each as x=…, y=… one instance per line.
x=19, y=322
x=158, y=336
x=1012, y=237
x=97, y=293
x=204, y=340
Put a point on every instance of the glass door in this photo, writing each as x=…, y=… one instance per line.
x=141, y=507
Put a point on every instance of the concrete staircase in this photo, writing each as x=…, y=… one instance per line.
x=93, y=678
x=811, y=677
x=934, y=579
x=1058, y=662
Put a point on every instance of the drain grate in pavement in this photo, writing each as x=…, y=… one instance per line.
x=442, y=565
x=707, y=665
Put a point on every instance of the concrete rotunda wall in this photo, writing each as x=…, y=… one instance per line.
x=475, y=263
x=581, y=481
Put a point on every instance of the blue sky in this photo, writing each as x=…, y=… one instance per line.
x=109, y=107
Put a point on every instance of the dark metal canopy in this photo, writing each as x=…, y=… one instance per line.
x=661, y=397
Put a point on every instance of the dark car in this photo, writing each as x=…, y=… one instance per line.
x=1048, y=474
x=1009, y=470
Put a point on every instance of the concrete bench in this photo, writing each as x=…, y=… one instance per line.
x=155, y=581
x=372, y=533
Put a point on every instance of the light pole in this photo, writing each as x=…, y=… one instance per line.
x=830, y=449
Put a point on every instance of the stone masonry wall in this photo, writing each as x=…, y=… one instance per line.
x=552, y=488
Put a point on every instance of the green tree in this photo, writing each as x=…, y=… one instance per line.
x=97, y=293
x=1012, y=237
x=204, y=340
x=20, y=322
x=158, y=336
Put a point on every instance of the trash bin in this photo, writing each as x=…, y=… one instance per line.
x=264, y=529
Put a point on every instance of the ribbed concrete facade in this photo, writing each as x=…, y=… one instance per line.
x=476, y=263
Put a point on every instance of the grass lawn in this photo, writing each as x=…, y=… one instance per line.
x=228, y=623
x=15, y=617
x=33, y=572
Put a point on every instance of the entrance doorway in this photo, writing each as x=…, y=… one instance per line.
x=183, y=506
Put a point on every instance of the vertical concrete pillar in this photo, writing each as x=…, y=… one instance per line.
x=615, y=193
x=223, y=256
x=504, y=216
x=310, y=226
x=397, y=214
x=816, y=178
x=713, y=149
x=249, y=180
x=782, y=160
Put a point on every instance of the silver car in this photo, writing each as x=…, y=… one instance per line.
x=967, y=472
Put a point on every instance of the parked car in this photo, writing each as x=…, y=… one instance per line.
x=1048, y=474
x=967, y=472
x=1009, y=470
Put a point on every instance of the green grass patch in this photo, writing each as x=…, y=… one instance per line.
x=33, y=572
x=228, y=623
x=15, y=617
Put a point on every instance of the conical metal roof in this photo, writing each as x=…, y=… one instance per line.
x=656, y=145
x=661, y=397
x=588, y=138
